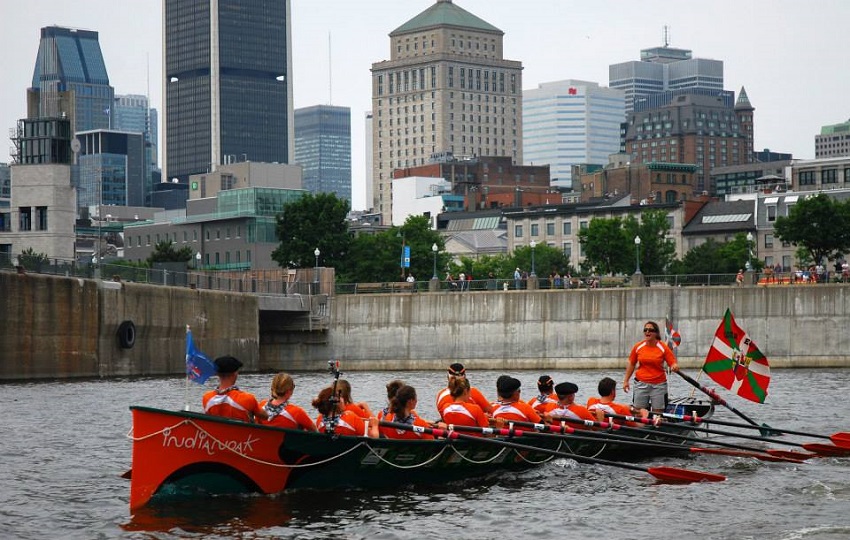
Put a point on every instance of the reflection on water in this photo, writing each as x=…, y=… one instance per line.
x=64, y=448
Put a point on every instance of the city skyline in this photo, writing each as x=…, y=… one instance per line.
x=786, y=54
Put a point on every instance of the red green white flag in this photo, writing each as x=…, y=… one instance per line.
x=734, y=362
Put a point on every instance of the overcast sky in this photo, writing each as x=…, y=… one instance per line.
x=790, y=55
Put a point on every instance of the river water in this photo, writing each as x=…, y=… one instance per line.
x=64, y=446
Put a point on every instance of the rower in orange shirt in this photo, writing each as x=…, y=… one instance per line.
x=281, y=412
x=392, y=388
x=361, y=408
x=510, y=407
x=567, y=407
x=402, y=411
x=605, y=404
x=227, y=399
x=333, y=412
x=546, y=396
x=462, y=411
x=444, y=396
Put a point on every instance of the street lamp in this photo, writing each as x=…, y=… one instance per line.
x=749, y=251
x=197, y=260
x=435, y=249
x=533, y=245
x=637, y=254
x=316, y=252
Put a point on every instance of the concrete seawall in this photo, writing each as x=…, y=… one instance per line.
x=54, y=327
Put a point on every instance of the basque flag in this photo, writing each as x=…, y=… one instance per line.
x=734, y=361
x=674, y=339
x=199, y=367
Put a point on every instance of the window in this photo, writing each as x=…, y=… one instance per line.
x=568, y=227
x=517, y=231
x=41, y=218
x=568, y=250
x=25, y=218
x=807, y=178
x=582, y=225
x=535, y=229
x=771, y=213
x=829, y=176
x=768, y=240
x=550, y=228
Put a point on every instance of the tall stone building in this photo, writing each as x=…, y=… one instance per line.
x=833, y=141
x=446, y=90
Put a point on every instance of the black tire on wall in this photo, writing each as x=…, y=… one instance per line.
x=127, y=334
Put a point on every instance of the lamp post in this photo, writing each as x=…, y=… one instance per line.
x=637, y=254
x=316, y=252
x=435, y=249
x=400, y=234
x=533, y=245
x=749, y=251
x=197, y=260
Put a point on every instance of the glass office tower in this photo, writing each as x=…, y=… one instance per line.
x=323, y=149
x=227, y=84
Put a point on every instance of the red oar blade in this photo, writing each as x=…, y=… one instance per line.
x=790, y=454
x=826, y=449
x=673, y=475
x=841, y=439
x=740, y=453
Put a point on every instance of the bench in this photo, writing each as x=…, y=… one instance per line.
x=368, y=287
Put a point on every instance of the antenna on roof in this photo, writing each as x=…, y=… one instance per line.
x=330, y=73
x=665, y=36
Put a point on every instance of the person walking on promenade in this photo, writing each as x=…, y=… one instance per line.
x=646, y=362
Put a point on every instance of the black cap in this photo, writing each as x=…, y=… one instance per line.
x=457, y=370
x=227, y=364
x=507, y=385
x=566, y=388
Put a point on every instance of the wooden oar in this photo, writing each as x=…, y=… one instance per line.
x=817, y=448
x=548, y=430
x=841, y=438
x=764, y=428
x=672, y=475
x=782, y=453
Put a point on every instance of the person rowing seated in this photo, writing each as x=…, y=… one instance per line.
x=333, y=412
x=392, y=388
x=282, y=413
x=604, y=404
x=461, y=411
x=402, y=411
x=567, y=407
x=227, y=399
x=546, y=395
x=444, y=397
x=360, y=408
x=510, y=407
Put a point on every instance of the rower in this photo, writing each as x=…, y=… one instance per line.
x=444, y=397
x=510, y=407
x=567, y=408
x=227, y=399
x=604, y=404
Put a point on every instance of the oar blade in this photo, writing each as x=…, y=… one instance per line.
x=673, y=475
x=841, y=439
x=790, y=454
x=826, y=449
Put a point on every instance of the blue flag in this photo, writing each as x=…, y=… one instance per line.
x=199, y=367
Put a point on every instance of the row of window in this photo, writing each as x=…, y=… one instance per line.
x=173, y=236
x=26, y=221
x=827, y=176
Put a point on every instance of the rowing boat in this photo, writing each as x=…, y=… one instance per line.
x=184, y=453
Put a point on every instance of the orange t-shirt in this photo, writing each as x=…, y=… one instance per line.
x=539, y=404
x=579, y=412
x=595, y=403
x=464, y=414
x=348, y=423
x=233, y=403
x=650, y=361
x=444, y=398
x=393, y=433
x=515, y=410
x=292, y=417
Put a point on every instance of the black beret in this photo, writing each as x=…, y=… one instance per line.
x=457, y=369
x=507, y=385
x=227, y=364
x=565, y=388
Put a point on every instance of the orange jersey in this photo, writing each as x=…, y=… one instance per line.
x=650, y=361
x=233, y=403
x=393, y=433
x=292, y=417
x=574, y=411
x=540, y=402
x=465, y=414
x=347, y=423
x=515, y=410
x=595, y=404
x=357, y=409
x=444, y=398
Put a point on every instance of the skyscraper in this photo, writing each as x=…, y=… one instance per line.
x=131, y=113
x=569, y=123
x=227, y=84
x=665, y=68
x=323, y=149
x=70, y=79
x=446, y=89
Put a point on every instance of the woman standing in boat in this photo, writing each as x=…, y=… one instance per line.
x=281, y=412
x=333, y=415
x=646, y=362
x=402, y=411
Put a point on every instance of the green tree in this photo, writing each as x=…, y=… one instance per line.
x=713, y=257
x=313, y=221
x=606, y=246
x=657, y=250
x=31, y=260
x=820, y=224
x=165, y=251
x=547, y=259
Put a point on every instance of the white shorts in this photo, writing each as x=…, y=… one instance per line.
x=646, y=394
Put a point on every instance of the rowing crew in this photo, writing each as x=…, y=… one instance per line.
x=459, y=404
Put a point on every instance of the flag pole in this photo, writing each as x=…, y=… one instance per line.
x=186, y=374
